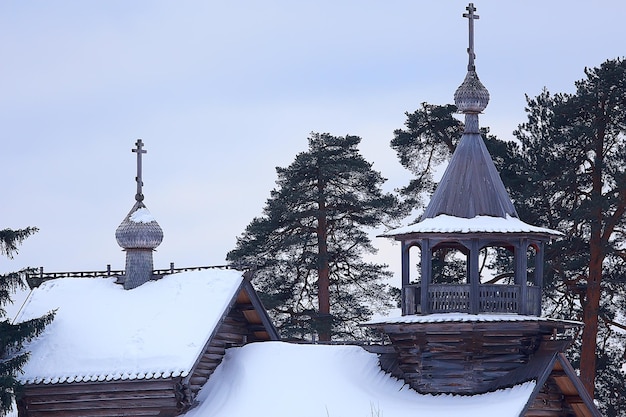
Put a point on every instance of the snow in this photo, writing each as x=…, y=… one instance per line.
x=285, y=380
x=103, y=332
x=487, y=224
x=141, y=215
x=464, y=317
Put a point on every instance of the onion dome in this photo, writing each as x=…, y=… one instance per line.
x=139, y=230
x=138, y=234
x=471, y=96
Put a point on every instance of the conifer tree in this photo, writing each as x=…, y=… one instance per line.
x=307, y=248
x=575, y=148
x=13, y=336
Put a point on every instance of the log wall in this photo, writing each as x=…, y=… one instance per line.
x=462, y=357
x=155, y=397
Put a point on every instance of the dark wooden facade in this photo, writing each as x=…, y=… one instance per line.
x=244, y=321
x=471, y=358
x=464, y=357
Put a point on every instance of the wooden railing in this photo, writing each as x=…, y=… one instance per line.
x=457, y=298
x=37, y=277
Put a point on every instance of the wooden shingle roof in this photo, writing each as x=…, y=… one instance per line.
x=471, y=185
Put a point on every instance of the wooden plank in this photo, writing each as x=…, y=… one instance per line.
x=88, y=396
x=120, y=412
x=101, y=387
x=105, y=403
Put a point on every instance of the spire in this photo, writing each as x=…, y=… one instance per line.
x=139, y=234
x=471, y=185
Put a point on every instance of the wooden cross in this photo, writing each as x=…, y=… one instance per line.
x=471, y=16
x=139, y=150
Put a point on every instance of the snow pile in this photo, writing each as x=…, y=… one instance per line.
x=487, y=224
x=103, y=332
x=142, y=215
x=285, y=380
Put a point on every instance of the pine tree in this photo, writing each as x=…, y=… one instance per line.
x=575, y=147
x=13, y=336
x=307, y=249
x=567, y=173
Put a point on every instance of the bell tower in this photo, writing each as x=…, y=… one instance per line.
x=471, y=333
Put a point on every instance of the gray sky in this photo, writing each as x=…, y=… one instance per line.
x=223, y=92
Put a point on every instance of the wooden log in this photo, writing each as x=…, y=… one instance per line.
x=103, y=387
x=104, y=403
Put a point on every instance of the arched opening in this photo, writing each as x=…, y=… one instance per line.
x=497, y=264
x=449, y=264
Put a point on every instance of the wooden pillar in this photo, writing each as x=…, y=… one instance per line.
x=406, y=264
x=539, y=264
x=521, y=274
x=406, y=275
x=474, y=276
x=427, y=271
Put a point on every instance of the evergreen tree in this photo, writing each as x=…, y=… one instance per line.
x=13, y=336
x=567, y=173
x=307, y=249
x=575, y=148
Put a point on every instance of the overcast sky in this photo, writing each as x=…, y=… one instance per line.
x=223, y=92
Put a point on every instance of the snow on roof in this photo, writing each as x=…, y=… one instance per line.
x=103, y=332
x=283, y=380
x=486, y=224
x=464, y=317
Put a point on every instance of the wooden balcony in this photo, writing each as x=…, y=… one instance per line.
x=458, y=298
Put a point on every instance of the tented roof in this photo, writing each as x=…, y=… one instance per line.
x=471, y=185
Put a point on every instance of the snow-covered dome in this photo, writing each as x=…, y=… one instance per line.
x=139, y=230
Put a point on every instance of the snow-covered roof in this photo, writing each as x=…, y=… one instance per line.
x=479, y=224
x=283, y=380
x=103, y=332
x=465, y=317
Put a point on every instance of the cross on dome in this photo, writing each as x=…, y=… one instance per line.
x=471, y=17
x=139, y=151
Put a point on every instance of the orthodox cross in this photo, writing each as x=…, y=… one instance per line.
x=471, y=16
x=139, y=150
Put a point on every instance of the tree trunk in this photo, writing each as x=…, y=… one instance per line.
x=591, y=309
x=591, y=306
x=323, y=270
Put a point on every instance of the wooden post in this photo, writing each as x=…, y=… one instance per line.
x=521, y=278
x=539, y=264
x=427, y=271
x=474, y=277
x=405, y=275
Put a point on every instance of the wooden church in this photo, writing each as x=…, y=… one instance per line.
x=143, y=342
x=139, y=342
